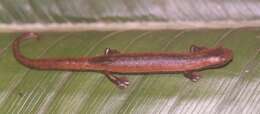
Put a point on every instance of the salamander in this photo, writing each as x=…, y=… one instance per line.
x=112, y=62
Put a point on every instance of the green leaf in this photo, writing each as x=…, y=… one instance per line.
x=62, y=11
x=232, y=89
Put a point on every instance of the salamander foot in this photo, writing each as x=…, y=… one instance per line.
x=193, y=76
x=121, y=82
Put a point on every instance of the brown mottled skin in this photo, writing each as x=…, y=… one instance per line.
x=189, y=63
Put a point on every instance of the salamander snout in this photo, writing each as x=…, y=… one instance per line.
x=227, y=55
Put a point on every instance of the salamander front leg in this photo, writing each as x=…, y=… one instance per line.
x=121, y=82
x=109, y=51
x=193, y=76
x=194, y=48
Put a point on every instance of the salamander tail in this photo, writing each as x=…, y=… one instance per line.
x=16, y=44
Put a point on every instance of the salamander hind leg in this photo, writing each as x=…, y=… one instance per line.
x=121, y=82
x=109, y=51
x=194, y=48
x=193, y=76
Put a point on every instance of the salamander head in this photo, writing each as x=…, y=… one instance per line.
x=220, y=56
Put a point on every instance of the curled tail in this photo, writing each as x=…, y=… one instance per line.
x=16, y=48
x=48, y=64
